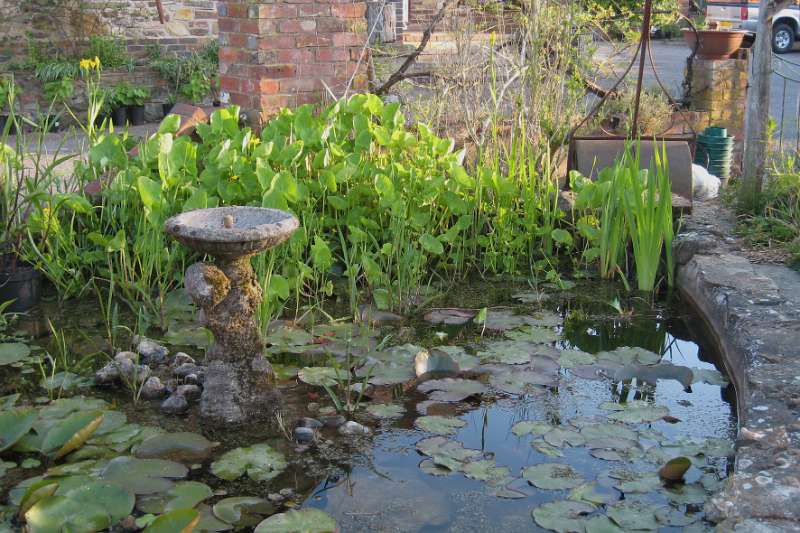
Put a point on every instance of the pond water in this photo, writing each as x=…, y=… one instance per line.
x=564, y=406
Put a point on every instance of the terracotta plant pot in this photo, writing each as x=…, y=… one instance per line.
x=715, y=44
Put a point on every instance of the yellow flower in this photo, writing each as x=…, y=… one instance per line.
x=90, y=64
x=254, y=141
x=234, y=178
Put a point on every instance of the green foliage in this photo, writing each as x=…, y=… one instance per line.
x=59, y=90
x=624, y=17
x=112, y=52
x=192, y=75
x=127, y=94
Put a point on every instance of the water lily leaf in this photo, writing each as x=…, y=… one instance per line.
x=487, y=470
x=634, y=515
x=533, y=334
x=637, y=412
x=13, y=352
x=323, y=376
x=14, y=425
x=611, y=433
x=143, y=476
x=595, y=494
x=686, y=494
x=522, y=382
x=66, y=381
x=440, y=425
x=72, y=433
x=7, y=402
x=626, y=355
x=260, y=461
x=177, y=521
x=573, y=358
x=552, y=476
x=533, y=427
x=711, y=376
x=602, y=524
x=505, y=319
x=450, y=317
x=458, y=354
x=447, y=453
x=628, y=481
x=530, y=297
x=188, y=335
x=431, y=468
x=181, y=446
x=507, y=352
x=560, y=437
x=209, y=523
x=546, y=449
x=426, y=362
x=285, y=336
x=385, y=410
x=382, y=374
x=5, y=466
x=117, y=502
x=55, y=514
x=653, y=373
x=674, y=469
x=562, y=516
x=112, y=421
x=38, y=490
x=672, y=517
x=307, y=520
x=183, y=495
x=451, y=389
x=235, y=510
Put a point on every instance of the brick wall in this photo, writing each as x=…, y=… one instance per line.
x=278, y=53
x=64, y=25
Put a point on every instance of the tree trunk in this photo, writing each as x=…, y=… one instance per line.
x=756, y=135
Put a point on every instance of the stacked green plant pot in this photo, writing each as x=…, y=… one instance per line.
x=715, y=151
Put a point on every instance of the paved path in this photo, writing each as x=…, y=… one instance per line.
x=670, y=59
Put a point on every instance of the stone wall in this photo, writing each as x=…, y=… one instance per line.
x=279, y=53
x=64, y=25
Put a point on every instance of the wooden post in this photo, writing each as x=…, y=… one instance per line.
x=757, y=112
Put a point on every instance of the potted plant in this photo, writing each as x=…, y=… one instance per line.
x=713, y=42
x=167, y=106
x=56, y=92
x=118, y=103
x=135, y=98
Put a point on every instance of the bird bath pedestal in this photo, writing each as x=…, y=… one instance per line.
x=237, y=385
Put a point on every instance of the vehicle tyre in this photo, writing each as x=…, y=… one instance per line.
x=783, y=37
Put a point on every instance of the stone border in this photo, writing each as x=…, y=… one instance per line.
x=753, y=312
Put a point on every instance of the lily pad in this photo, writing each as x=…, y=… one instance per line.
x=594, y=493
x=55, y=514
x=560, y=437
x=431, y=468
x=626, y=355
x=450, y=317
x=674, y=469
x=573, y=358
x=72, y=433
x=672, y=517
x=533, y=427
x=7, y=402
x=563, y=516
x=522, y=382
x=451, y=389
x=602, y=524
x=533, y=334
x=5, y=466
x=209, y=523
x=447, y=453
x=298, y=521
x=260, y=462
x=426, y=362
x=181, y=446
x=637, y=412
x=13, y=352
x=686, y=494
x=323, y=376
x=530, y=297
x=629, y=481
x=143, y=476
x=552, y=476
x=505, y=319
x=381, y=374
x=507, y=352
x=285, y=336
x=14, y=425
x=385, y=410
x=184, y=495
x=235, y=510
x=117, y=502
x=177, y=521
x=634, y=515
x=440, y=425
x=458, y=354
x=546, y=449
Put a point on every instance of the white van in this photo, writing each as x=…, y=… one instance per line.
x=743, y=14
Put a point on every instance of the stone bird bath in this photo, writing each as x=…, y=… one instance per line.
x=237, y=385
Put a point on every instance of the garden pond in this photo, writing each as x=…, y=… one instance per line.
x=505, y=408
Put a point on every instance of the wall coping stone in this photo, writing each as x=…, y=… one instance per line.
x=753, y=312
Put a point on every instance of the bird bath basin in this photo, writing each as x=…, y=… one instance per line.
x=237, y=385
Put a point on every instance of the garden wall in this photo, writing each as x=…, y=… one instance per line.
x=64, y=25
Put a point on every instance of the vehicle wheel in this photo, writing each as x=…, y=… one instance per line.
x=782, y=38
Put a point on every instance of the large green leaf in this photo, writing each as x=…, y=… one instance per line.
x=72, y=433
x=298, y=521
x=177, y=521
x=563, y=516
x=143, y=476
x=552, y=476
x=13, y=352
x=116, y=501
x=181, y=446
x=57, y=514
x=440, y=425
x=232, y=510
x=260, y=462
x=14, y=425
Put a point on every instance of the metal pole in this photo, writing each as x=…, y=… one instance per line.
x=645, y=40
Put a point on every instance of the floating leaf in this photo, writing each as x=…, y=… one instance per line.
x=385, y=410
x=573, y=358
x=458, y=354
x=323, y=376
x=233, y=510
x=117, y=502
x=672, y=517
x=440, y=362
x=13, y=352
x=451, y=389
x=637, y=412
x=72, y=433
x=431, y=468
x=504, y=319
x=441, y=425
x=522, y=382
x=533, y=334
x=143, y=476
x=546, y=449
x=562, y=516
x=628, y=481
x=487, y=470
x=686, y=494
x=7, y=402
x=260, y=462
x=14, y=425
x=450, y=317
x=183, y=495
x=181, y=446
x=55, y=514
x=209, y=523
x=381, y=374
x=530, y=297
x=177, y=521
x=552, y=476
x=634, y=515
x=559, y=437
x=307, y=520
x=533, y=427
x=508, y=352
x=602, y=524
x=626, y=355
x=595, y=494
x=675, y=469
x=447, y=453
